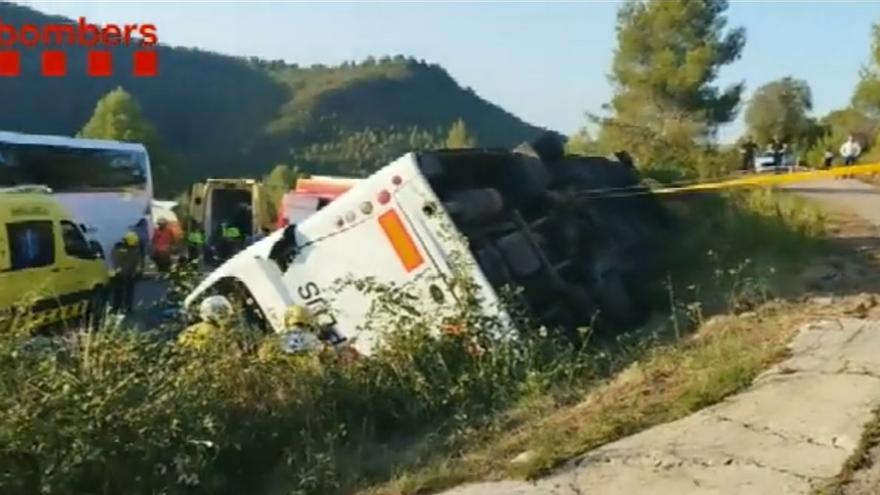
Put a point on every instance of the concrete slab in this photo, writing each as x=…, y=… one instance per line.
x=794, y=427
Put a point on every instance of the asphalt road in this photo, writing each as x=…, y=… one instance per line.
x=855, y=196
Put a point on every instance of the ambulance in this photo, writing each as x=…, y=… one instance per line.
x=506, y=219
x=311, y=194
x=50, y=274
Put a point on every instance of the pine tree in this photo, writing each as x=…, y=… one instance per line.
x=669, y=53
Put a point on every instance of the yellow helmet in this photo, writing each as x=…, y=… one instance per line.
x=297, y=315
x=131, y=239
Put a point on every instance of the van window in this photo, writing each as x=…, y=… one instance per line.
x=31, y=244
x=75, y=243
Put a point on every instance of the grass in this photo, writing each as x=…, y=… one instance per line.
x=665, y=383
x=119, y=411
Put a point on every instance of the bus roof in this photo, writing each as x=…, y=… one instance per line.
x=72, y=142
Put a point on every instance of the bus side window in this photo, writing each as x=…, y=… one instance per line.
x=31, y=244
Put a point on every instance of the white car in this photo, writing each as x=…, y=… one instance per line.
x=766, y=162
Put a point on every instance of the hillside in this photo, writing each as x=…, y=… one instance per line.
x=227, y=115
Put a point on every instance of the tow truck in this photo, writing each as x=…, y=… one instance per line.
x=527, y=219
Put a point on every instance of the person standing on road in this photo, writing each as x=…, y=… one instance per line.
x=829, y=157
x=126, y=258
x=195, y=242
x=163, y=242
x=776, y=148
x=747, y=151
x=850, y=151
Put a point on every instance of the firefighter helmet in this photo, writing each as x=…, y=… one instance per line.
x=298, y=315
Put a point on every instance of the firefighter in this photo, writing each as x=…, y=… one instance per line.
x=126, y=257
x=216, y=314
x=163, y=243
x=300, y=335
x=195, y=241
x=230, y=241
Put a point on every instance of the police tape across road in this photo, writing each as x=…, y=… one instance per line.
x=757, y=180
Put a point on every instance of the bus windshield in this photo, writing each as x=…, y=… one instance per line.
x=72, y=169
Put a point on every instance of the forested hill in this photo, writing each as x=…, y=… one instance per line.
x=225, y=115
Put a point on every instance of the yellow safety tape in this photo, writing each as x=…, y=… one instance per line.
x=774, y=179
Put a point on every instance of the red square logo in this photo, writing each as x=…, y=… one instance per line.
x=10, y=64
x=146, y=63
x=100, y=64
x=54, y=63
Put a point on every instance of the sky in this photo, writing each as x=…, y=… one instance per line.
x=546, y=62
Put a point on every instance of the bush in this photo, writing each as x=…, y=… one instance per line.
x=117, y=411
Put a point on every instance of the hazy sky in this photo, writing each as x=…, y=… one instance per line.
x=545, y=62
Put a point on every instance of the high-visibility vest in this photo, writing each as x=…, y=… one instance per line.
x=231, y=233
x=162, y=240
x=195, y=237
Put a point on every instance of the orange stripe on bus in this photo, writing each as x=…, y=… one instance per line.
x=400, y=240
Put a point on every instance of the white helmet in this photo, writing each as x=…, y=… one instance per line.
x=215, y=308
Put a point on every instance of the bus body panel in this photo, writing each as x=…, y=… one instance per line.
x=355, y=238
x=106, y=211
x=107, y=216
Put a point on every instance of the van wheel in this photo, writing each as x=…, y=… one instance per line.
x=96, y=309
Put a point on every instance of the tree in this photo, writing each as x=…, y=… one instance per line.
x=277, y=182
x=581, y=143
x=780, y=108
x=867, y=94
x=668, y=55
x=458, y=136
x=118, y=117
